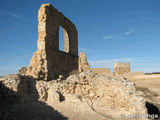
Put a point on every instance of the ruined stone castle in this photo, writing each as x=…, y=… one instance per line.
x=92, y=93
x=48, y=62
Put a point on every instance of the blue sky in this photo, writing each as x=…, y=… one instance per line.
x=109, y=31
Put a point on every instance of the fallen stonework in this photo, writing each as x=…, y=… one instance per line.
x=83, y=64
x=102, y=71
x=48, y=62
x=91, y=95
x=121, y=68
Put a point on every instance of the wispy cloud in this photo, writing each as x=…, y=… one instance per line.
x=16, y=48
x=129, y=31
x=109, y=63
x=109, y=37
x=14, y=15
x=119, y=35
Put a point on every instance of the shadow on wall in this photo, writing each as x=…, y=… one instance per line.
x=24, y=104
x=152, y=110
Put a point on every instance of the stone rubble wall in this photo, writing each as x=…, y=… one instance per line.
x=61, y=63
x=121, y=68
x=116, y=93
x=38, y=67
x=102, y=71
x=83, y=64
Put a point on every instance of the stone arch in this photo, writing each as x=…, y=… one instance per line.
x=70, y=35
x=65, y=39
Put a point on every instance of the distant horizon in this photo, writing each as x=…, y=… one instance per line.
x=108, y=32
x=111, y=69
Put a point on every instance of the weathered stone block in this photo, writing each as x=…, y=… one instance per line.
x=83, y=64
x=121, y=68
x=102, y=71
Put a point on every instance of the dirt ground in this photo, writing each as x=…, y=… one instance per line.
x=150, y=85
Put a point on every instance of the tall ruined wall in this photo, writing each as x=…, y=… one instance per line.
x=48, y=62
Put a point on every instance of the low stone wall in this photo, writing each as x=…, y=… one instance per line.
x=121, y=68
x=102, y=71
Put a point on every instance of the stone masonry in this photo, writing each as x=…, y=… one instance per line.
x=83, y=64
x=121, y=68
x=102, y=71
x=48, y=62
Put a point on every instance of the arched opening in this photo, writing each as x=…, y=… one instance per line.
x=63, y=40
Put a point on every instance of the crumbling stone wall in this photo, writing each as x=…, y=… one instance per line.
x=121, y=68
x=113, y=92
x=102, y=71
x=48, y=62
x=83, y=64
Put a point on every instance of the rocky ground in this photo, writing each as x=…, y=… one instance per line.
x=84, y=96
